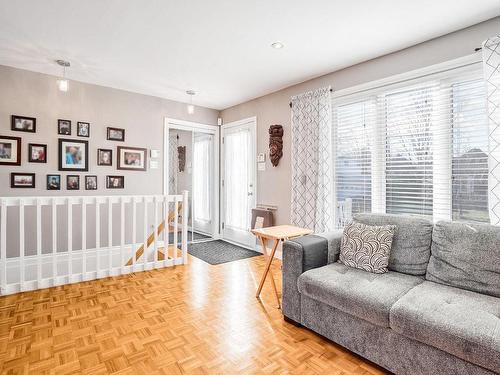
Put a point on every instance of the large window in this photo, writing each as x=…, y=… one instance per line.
x=353, y=159
x=418, y=147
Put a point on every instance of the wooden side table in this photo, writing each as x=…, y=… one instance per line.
x=276, y=234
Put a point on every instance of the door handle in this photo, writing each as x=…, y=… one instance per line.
x=249, y=193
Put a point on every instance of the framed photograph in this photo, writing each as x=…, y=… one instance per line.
x=132, y=158
x=90, y=182
x=83, y=129
x=37, y=153
x=22, y=180
x=116, y=134
x=104, y=157
x=72, y=182
x=23, y=124
x=64, y=127
x=73, y=155
x=53, y=182
x=115, y=182
x=10, y=150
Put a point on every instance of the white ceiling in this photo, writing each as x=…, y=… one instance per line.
x=219, y=48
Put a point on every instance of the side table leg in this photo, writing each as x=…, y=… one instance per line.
x=268, y=269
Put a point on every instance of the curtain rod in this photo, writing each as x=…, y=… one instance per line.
x=290, y=104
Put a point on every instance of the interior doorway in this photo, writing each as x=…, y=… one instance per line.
x=192, y=164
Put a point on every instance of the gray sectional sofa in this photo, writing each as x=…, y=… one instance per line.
x=437, y=310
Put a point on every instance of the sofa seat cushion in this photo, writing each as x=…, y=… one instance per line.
x=366, y=295
x=463, y=323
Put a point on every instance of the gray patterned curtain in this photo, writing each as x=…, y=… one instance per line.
x=312, y=160
x=491, y=68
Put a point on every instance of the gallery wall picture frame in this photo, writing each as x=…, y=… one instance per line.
x=53, y=182
x=132, y=158
x=104, y=157
x=23, y=123
x=72, y=182
x=73, y=155
x=115, y=182
x=83, y=129
x=10, y=150
x=22, y=180
x=63, y=127
x=91, y=182
x=37, y=153
x=115, y=134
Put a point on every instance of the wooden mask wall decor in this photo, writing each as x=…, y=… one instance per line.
x=181, y=150
x=275, y=144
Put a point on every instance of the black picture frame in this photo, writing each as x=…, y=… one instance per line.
x=30, y=153
x=15, y=185
x=121, y=163
x=4, y=155
x=79, y=129
x=51, y=185
x=69, y=183
x=63, y=127
x=63, y=165
x=90, y=186
x=99, y=158
x=110, y=137
x=110, y=182
x=14, y=126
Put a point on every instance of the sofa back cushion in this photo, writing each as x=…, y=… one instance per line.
x=466, y=256
x=411, y=244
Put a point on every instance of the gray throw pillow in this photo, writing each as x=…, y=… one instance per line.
x=366, y=247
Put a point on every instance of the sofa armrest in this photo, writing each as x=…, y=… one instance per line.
x=333, y=238
x=299, y=255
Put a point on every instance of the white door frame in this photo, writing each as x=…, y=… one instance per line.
x=171, y=123
x=253, y=125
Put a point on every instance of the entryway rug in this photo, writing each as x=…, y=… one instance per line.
x=218, y=252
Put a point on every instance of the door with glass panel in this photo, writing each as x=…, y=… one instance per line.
x=203, y=182
x=238, y=183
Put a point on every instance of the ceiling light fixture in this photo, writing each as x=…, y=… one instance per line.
x=277, y=45
x=63, y=83
x=190, y=107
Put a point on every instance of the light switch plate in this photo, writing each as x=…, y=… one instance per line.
x=155, y=153
x=153, y=164
x=261, y=166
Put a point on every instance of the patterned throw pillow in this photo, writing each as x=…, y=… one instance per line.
x=366, y=247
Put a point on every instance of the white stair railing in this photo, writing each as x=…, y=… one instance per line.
x=50, y=241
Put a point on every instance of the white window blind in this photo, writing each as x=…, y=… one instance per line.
x=408, y=164
x=353, y=132
x=415, y=147
x=470, y=152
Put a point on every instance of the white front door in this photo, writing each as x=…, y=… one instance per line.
x=238, y=183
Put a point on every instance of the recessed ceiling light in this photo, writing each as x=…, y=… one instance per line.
x=277, y=45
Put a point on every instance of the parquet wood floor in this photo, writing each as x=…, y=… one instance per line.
x=197, y=319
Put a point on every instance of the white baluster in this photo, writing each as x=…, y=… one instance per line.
x=3, y=246
x=38, y=243
x=134, y=230
x=122, y=234
x=184, y=226
x=70, y=238
x=155, y=231
x=84, y=239
x=176, y=228
x=144, y=260
x=97, y=236
x=21, y=244
x=110, y=235
x=54, y=241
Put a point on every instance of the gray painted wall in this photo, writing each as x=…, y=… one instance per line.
x=274, y=184
x=36, y=95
